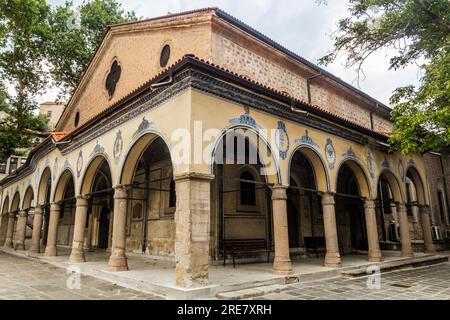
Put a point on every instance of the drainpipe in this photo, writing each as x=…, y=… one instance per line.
x=308, y=84
x=377, y=106
x=161, y=84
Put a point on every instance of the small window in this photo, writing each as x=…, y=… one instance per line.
x=77, y=118
x=13, y=165
x=165, y=56
x=172, y=195
x=248, y=189
x=49, y=114
x=137, y=211
x=2, y=167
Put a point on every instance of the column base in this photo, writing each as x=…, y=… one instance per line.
x=19, y=246
x=282, y=266
x=8, y=244
x=33, y=252
x=333, y=260
x=408, y=254
x=117, y=263
x=77, y=257
x=374, y=256
x=50, y=251
x=430, y=251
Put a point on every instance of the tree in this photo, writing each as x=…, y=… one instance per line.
x=23, y=31
x=415, y=29
x=75, y=34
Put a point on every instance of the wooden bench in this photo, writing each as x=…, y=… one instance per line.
x=237, y=247
x=314, y=244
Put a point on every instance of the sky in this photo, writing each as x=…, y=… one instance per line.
x=302, y=26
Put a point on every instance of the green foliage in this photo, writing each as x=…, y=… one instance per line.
x=23, y=34
x=416, y=29
x=75, y=34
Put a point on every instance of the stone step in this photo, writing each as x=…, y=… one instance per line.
x=252, y=292
x=397, y=264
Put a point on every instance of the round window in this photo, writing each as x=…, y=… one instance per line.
x=165, y=55
x=77, y=118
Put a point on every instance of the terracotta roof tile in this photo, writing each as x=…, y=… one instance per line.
x=57, y=136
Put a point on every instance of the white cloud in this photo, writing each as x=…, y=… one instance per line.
x=304, y=27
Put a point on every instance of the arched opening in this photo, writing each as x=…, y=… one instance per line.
x=97, y=184
x=415, y=197
x=27, y=206
x=303, y=197
x=388, y=196
x=43, y=199
x=15, y=204
x=352, y=188
x=243, y=168
x=4, y=221
x=148, y=173
x=65, y=197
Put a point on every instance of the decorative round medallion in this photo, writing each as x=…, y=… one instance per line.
x=165, y=56
x=79, y=164
x=330, y=153
x=282, y=140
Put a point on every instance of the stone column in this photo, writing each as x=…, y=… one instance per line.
x=282, y=262
x=77, y=254
x=10, y=230
x=405, y=238
x=192, y=224
x=21, y=229
x=50, y=249
x=332, y=256
x=118, y=259
x=374, y=254
x=426, y=229
x=36, y=236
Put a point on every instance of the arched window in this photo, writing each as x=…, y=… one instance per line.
x=248, y=189
x=172, y=195
x=137, y=211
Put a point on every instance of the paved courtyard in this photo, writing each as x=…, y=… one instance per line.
x=426, y=283
x=21, y=278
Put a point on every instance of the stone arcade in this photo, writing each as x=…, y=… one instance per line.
x=110, y=177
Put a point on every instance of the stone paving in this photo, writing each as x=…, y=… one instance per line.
x=25, y=279
x=426, y=283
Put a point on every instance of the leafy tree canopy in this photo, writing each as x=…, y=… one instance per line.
x=75, y=34
x=415, y=29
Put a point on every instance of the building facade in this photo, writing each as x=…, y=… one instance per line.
x=52, y=111
x=193, y=132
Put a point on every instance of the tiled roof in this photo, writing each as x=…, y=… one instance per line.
x=191, y=57
x=57, y=136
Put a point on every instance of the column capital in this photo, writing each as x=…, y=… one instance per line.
x=369, y=204
x=401, y=207
x=279, y=192
x=327, y=198
x=82, y=201
x=120, y=192
x=23, y=213
x=38, y=210
x=54, y=206
x=193, y=176
x=11, y=215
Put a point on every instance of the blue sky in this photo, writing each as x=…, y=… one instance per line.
x=304, y=27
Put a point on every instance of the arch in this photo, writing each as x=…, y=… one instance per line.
x=413, y=173
x=394, y=185
x=134, y=153
x=44, y=183
x=15, y=203
x=5, y=205
x=61, y=184
x=361, y=176
x=28, y=198
x=88, y=178
x=4, y=220
x=270, y=178
x=316, y=161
